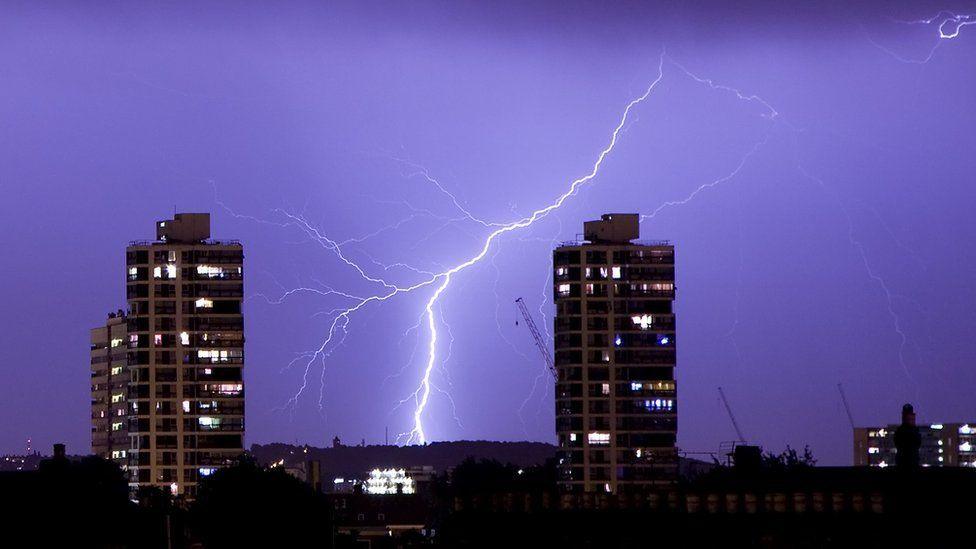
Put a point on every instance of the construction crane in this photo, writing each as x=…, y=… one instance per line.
x=539, y=342
x=847, y=407
x=728, y=409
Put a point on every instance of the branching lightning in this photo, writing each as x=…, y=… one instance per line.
x=438, y=281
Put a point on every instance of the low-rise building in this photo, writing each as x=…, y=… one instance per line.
x=943, y=445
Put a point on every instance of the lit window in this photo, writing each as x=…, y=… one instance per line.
x=605, y=356
x=158, y=340
x=873, y=450
x=882, y=464
x=117, y=426
x=606, y=389
x=116, y=341
x=229, y=388
x=203, y=303
x=133, y=339
x=171, y=271
x=638, y=452
x=564, y=289
x=207, y=422
x=210, y=271
x=936, y=426
x=562, y=271
x=207, y=371
x=643, y=321
x=618, y=341
x=603, y=272
x=184, y=338
x=615, y=272
x=966, y=447
x=116, y=370
x=598, y=438
x=206, y=471
x=965, y=430
x=186, y=406
x=634, y=386
x=882, y=433
x=663, y=339
x=572, y=437
x=606, y=487
x=589, y=272
x=157, y=272
x=589, y=289
x=117, y=398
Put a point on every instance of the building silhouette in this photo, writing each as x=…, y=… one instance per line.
x=109, y=388
x=942, y=445
x=184, y=341
x=616, y=406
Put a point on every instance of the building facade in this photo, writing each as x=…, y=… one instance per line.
x=943, y=445
x=109, y=388
x=616, y=405
x=185, y=354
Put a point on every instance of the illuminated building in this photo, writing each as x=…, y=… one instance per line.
x=616, y=406
x=943, y=445
x=109, y=387
x=389, y=481
x=185, y=354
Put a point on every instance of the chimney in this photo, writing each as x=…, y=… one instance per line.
x=59, y=452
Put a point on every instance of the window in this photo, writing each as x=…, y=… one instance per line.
x=572, y=437
x=203, y=303
x=615, y=272
x=186, y=406
x=230, y=389
x=644, y=321
x=116, y=341
x=184, y=338
x=564, y=289
x=603, y=272
x=659, y=405
x=605, y=389
x=206, y=471
x=597, y=438
x=207, y=422
x=117, y=398
x=116, y=370
x=158, y=340
x=117, y=426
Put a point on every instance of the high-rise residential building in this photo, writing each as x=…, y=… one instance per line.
x=616, y=406
x=109, y=387
x=185, y=354
x=943, y=445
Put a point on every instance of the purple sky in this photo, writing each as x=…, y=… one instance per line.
x=114, y=114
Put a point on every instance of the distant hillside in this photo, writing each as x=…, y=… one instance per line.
x=354, y=460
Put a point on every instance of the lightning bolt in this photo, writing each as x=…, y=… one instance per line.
x=439, y=280
x=949, y=27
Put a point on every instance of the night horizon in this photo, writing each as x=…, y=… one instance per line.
x=811, y=166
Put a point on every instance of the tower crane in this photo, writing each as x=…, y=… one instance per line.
x=847, y=407
x=728, y=409
x=539, y=342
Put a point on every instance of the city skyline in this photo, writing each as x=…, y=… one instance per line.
x=818, y=193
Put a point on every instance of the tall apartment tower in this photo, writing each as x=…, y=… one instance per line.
x=185, y=354
x=109, y=386
x=616, y=407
